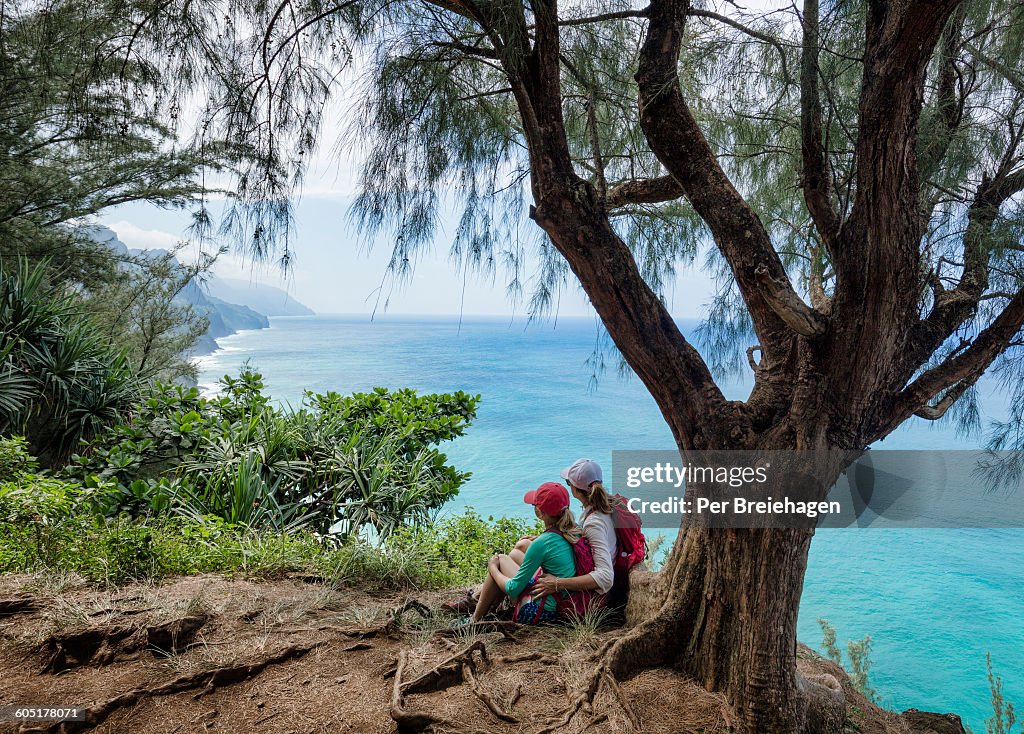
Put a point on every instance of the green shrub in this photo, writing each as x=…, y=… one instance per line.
x=339, y=464
x=14, y=457
x=463, y=544
x=859, y=654
x=100, y=550
x=52, y=536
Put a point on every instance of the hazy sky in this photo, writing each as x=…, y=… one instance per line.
x=334, y=273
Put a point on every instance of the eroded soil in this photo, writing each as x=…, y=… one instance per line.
x=211, y=654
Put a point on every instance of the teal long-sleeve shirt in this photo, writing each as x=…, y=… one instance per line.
x=549, y=551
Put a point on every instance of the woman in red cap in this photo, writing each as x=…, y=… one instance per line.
x=551, y=550
x=598, y=527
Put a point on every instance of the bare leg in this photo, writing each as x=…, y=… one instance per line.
x=517, y=553
x=491, y=595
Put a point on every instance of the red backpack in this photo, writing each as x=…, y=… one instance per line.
x=631, y=545
x=569, y=603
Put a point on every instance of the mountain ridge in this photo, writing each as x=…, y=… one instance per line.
x=231, y=305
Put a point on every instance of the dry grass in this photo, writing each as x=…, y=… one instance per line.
x=578, y=632
x=533, y=677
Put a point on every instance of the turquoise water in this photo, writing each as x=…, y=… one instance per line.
x=933, y=601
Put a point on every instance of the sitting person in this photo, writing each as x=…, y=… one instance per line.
x=598, y=520
x=551, y=550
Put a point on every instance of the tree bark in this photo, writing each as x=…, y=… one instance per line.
x=724, y=611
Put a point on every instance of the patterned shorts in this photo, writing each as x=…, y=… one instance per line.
x=527, y=614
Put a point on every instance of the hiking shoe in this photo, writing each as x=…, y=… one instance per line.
x=465, y=605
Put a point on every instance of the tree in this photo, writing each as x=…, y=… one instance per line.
x=142, y=312
x=85, y=124
x=857, y=168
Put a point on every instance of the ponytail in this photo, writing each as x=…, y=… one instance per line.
x=599, y=500
x=567, y=526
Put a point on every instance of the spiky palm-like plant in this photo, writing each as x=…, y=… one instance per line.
x=59, y=381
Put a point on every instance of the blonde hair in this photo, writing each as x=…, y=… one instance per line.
x=566, y=525
x=598, y=498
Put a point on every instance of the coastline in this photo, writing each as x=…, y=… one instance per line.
x=202, y=359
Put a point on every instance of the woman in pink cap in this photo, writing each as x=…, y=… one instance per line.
x=551, y=550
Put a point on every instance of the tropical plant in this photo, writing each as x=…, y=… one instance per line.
x=239, y=494
x=341, y=464
x=60, y=382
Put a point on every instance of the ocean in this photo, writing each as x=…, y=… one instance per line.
x=933, y=601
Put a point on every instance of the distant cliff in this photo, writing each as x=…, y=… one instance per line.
x=265, y=299
x=230, y=305
x=225, y=318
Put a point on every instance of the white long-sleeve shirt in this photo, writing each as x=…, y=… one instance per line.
x=599, y=529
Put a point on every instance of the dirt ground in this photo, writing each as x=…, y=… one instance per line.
x=211, y=654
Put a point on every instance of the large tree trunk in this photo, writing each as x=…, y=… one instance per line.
x=726, y=612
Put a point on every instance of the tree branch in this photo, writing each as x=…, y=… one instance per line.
x=935, y=412
x=643, y=191
x=800, y=317
x=948, y=105
x=952, y=307
x=679, y=144
x=884, y=226
x=966, y=366
x=877, y=259
x=603, y=17
x=817, y=176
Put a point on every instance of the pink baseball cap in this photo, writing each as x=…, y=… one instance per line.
x=551, y=498
x=582, y=473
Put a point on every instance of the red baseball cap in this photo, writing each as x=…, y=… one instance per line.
x=551, y=498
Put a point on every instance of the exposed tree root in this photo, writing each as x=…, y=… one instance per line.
x=529, y=657
x=615, y=660
x=583, y=701
x=207, y=681
x=613, y=686
x=411, y=722
x=451, y=671
x=446, y=673
x=172, y=638
x=23, y=604
x=488, y=700
x=357, y=647
x=104, y=645
x=99, y=646
x=413, y=605
x=516, y=694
